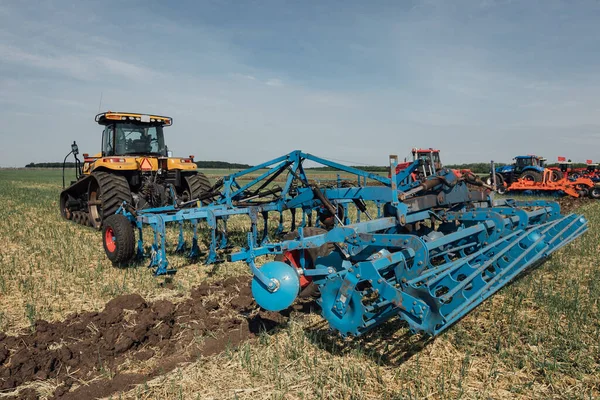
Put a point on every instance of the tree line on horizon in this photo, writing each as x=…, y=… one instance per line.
x=478, y=168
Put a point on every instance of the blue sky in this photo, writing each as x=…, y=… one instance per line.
x=355, y=81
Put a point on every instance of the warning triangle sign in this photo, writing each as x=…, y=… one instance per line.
x=146, y=166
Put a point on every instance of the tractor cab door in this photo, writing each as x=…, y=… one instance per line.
x=108, y=140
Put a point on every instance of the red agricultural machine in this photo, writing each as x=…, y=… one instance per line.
x=567, y=182
x=431, y=163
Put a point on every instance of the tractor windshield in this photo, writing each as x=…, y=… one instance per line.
x=428, y=157
x=523, y=162
x=123, y=139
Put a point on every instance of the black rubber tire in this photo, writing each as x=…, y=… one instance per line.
x=595, y=193
x=556, y=176
x=311, y=255
x=64, y=211
x=196, y=185
x=532, y=176
x=122, y=251
x=112, y=190
x=499, y=180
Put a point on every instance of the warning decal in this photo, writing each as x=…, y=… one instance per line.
x=146, y=166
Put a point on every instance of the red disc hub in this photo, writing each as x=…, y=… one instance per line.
x=109, y=239
x=293, y=258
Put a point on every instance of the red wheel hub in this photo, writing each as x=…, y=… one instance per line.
x=109, y=240
x=293, y=258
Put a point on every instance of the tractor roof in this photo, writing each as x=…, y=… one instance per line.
x=111, y=116
x=430, y=150
x=529, y=156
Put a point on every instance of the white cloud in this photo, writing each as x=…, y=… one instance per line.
x=274, y=82
x=126, y=69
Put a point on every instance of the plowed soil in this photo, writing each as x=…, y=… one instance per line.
x=85, y=352
x=569, y=204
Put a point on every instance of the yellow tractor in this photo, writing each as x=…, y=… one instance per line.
x=134, y=166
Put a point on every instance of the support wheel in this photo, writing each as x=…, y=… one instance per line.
x=119, y=239
x=195, y=186
x=307, y=287
x=106, y=193
x=595, y=193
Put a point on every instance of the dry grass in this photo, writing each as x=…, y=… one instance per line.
x=537, y=338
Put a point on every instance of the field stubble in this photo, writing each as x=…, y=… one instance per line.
x=537, y=338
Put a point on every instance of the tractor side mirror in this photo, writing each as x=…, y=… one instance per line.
x=74, y=148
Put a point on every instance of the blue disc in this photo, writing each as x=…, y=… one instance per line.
x=287, y=289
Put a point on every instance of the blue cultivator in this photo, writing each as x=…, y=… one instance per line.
x=433, y=250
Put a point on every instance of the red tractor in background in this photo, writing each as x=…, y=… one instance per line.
x=431, y=163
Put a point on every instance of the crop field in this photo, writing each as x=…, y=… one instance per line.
x=73, y=326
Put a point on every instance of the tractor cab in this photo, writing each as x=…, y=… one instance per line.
x=591, y=168
x=430, y=160
x=127, y=134
x=524, y=162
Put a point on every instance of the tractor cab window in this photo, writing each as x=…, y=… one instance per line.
x=108, y=148
x=430, y=160
x=427, y=158
x=139, y=139
x=524, y=162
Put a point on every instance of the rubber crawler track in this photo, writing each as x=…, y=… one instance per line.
x=113, y=190
x=199, y=184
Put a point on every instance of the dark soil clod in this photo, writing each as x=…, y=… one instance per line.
x=89, y=344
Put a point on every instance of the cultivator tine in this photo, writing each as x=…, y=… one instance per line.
x=279, y=230
x=223, y=241
x=195, y=249
x=140, y=242
x=212, y=247
x=265, y=234
x=293, y=213
x=181, y=245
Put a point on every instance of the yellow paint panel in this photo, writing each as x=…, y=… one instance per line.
x=175, y=163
